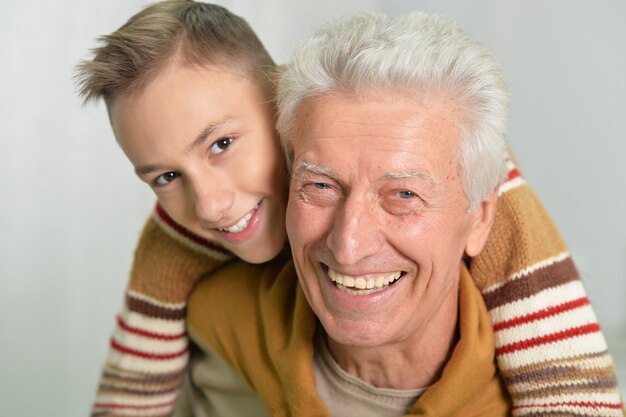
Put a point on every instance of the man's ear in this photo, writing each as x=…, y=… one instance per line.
x=482, y=219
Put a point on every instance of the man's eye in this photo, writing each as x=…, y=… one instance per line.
x=407, y=194
x=221, y=145
x=166, y=178
x=319, y=193
x=401, y=202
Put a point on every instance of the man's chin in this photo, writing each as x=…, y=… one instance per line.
x=356, y=333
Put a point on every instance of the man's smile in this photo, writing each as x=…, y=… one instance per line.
x=362, y=284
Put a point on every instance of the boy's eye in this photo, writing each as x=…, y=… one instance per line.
x=166, y=178
x=221, y=145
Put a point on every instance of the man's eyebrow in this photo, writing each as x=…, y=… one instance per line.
x=315, y=169
x=410, y=174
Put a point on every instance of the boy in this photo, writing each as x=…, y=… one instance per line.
x=189, y=94
x=188, y=91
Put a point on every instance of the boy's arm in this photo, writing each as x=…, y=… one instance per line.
x=549, y=347
x=148, y=352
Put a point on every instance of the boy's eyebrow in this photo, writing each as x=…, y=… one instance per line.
x=146, y=169
x=205, y=133
x=199, y=140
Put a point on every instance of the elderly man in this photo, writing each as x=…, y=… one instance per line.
x=393, y=128
x=386, y=197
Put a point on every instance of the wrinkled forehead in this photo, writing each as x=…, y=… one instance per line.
x=411, y=100
x=375, y=122
x=376, y=134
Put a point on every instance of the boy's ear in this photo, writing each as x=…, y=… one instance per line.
x=279, y=71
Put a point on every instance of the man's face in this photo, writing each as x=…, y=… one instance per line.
x=377, y=203
x=204, y=140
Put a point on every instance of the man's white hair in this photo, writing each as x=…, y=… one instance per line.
x=418, y=56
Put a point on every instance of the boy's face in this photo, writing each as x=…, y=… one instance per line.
x=204, y=140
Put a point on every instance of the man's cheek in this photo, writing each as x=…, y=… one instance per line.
x=292, y=223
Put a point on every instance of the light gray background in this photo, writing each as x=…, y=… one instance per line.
x=71, y=210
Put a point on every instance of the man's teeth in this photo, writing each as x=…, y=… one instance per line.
x=241, y=224
x=361, y=283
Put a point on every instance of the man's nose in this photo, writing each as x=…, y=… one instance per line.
x=212, y=199
x=355, y=233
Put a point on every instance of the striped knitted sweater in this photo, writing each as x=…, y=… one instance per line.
x=549, y=346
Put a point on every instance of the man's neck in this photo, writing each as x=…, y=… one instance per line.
x=411, y=363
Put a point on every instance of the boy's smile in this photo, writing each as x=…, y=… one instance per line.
x=244, y=228
x=203, y=138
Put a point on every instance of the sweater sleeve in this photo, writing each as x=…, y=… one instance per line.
x=549, y=347
x=148, y=352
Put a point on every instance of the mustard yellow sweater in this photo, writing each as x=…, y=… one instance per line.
x=258, y=319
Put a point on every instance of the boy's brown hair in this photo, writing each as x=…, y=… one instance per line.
x=185, y=31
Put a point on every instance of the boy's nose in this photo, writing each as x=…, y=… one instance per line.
x=212, y=202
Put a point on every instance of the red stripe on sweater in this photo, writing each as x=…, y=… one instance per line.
x=550, y=338
x=594, y=404
x=548, y=312
x=115, y=406
x=188, y=233
x=512, y=174
x=146, y=355
x=150, y=335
